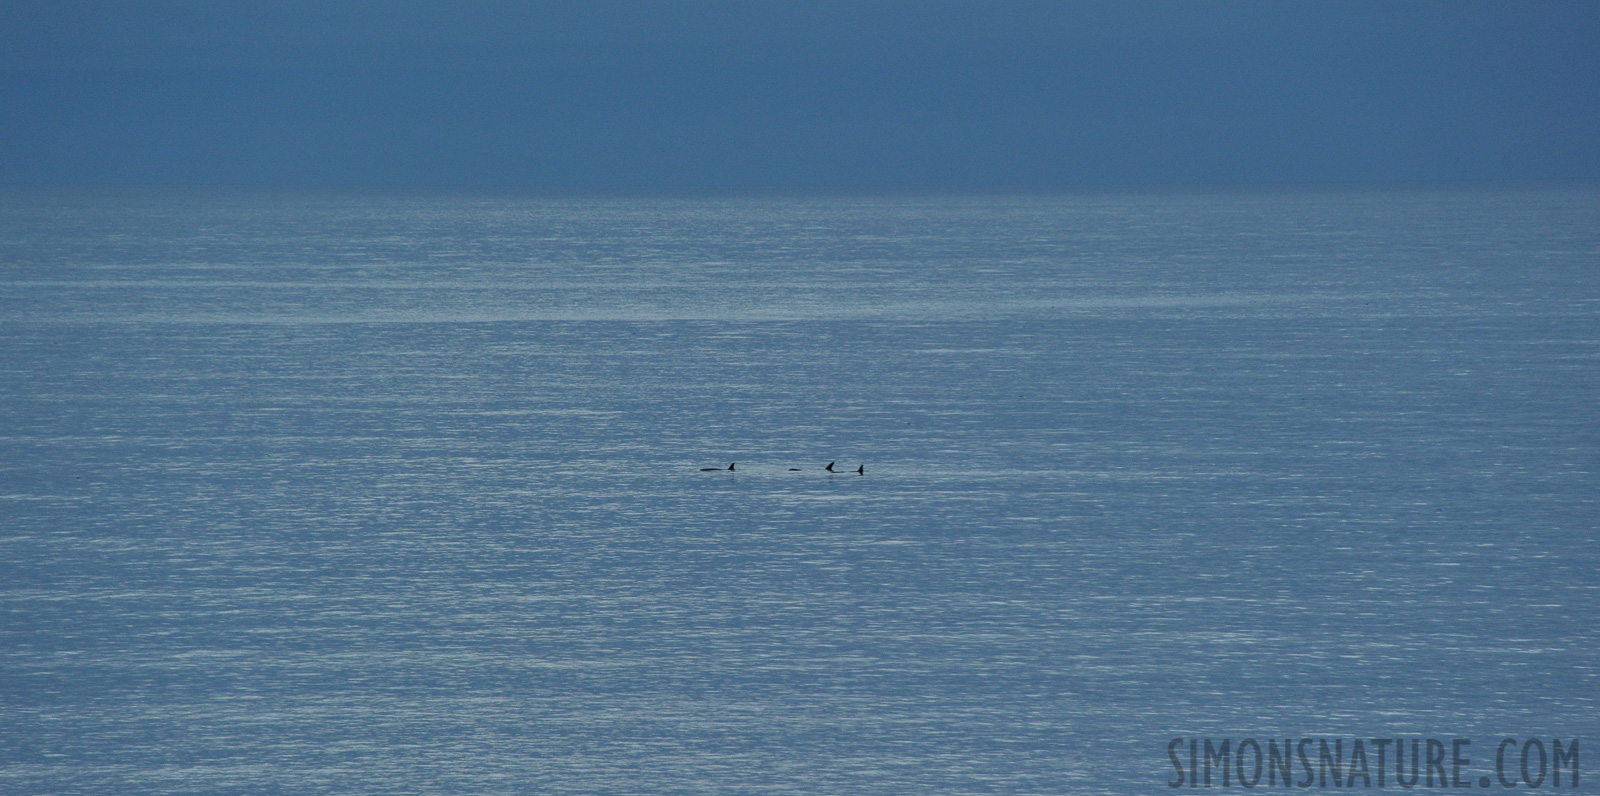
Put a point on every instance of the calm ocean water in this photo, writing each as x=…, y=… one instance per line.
x=401, y=493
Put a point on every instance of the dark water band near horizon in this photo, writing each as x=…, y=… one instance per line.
x=390, y=493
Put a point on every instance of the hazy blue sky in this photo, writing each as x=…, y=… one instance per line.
x=811, y=93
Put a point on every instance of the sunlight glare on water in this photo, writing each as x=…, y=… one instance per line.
x=379, y=493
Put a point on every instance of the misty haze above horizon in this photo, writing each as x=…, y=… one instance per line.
x=799, y=95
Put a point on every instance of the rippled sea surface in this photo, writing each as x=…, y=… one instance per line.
x=383, y=493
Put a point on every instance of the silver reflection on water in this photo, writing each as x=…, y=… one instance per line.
x=390, y=493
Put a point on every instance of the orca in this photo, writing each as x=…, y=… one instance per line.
x=715, y=469
x=829, y=468
x=862, y=470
